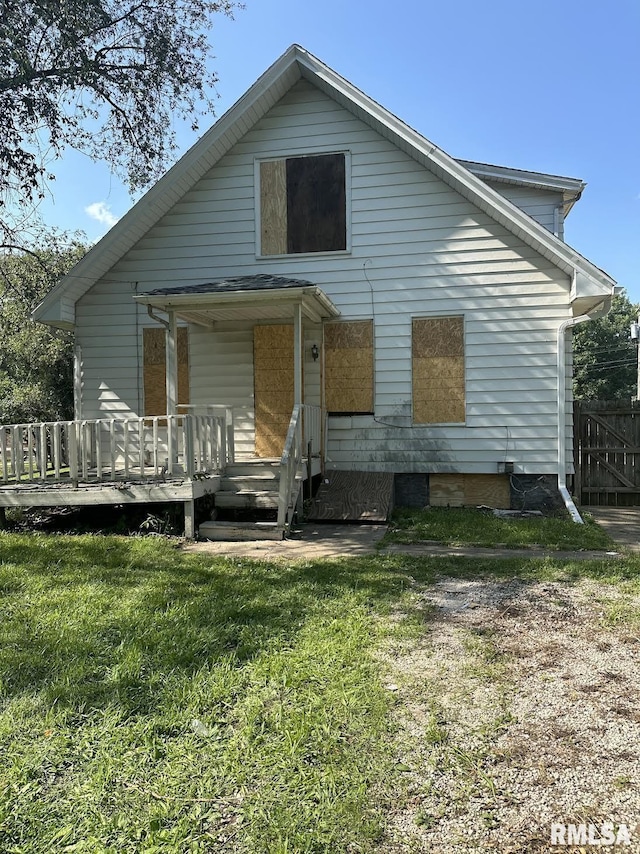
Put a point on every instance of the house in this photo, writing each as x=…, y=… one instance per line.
x=316, y=285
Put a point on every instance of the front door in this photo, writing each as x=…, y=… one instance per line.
x=273, y=386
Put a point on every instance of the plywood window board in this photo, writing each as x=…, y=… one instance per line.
x=155, y=369
x=348, y=367
x=438, y=371
x=273, y=207
x=303, y=205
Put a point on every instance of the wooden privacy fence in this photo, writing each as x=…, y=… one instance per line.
x=607, y=452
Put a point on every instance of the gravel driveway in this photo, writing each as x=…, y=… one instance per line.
x=518, y=708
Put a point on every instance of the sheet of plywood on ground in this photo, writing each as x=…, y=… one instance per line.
x=273, y=207
x=438, y=370
x=348, y=366
x=155, y=369
x=273, y=386
x=353, y=496
x=469, y=490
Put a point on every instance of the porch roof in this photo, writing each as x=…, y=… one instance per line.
x=255, y=297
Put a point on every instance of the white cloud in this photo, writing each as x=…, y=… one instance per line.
x=101, y=212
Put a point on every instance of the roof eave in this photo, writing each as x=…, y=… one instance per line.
x=313, y=297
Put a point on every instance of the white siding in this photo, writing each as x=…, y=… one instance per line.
x=222, y=372
x=312, y=393
x=418, y=248
x=541, y=205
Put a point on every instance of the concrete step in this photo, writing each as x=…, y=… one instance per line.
x=240, y=531
x=248, y=500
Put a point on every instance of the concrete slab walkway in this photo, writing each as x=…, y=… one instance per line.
x=621, y=523
x=309, y=541
x=316, y=541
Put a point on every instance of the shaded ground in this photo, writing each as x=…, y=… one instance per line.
x=621, y=523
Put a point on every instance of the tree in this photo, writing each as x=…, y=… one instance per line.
x=36, y=363
x=605, y=358
x=106, y=77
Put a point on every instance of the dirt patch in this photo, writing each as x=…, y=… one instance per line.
x=519, y=708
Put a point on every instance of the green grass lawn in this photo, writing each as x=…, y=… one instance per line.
x=462, y=526
x=153, y=701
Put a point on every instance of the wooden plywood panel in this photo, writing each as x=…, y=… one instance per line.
x=446, y=490
x=469, y=490
x=438, y=371
x=437, y=336
x=155, y=369
x=273, y=386
x=348, y=366
x=273, y=207
x=356, y=496
x=492, y=490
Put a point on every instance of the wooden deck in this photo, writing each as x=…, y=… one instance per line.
x=173, y=458
x=120, y=491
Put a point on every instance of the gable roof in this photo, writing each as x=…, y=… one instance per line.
x=590, y=284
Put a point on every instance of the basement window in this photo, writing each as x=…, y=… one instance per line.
x=303, y=204
x=438, y=374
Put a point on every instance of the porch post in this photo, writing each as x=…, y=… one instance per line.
x=77, y=383
x=297, y=353
x=172, y=364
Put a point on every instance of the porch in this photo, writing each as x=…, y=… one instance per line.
x=173, y=458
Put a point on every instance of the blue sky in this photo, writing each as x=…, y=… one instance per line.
x=551, y=86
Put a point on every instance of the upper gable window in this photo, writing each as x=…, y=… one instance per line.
x=303, y=204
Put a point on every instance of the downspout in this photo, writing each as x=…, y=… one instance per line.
x=155, y=317
x=562, y=415
x=562, y=406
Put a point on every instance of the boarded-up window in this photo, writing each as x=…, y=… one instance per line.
x=303, y=204
x=348, y=366
x=155, y=369
x=438, y=370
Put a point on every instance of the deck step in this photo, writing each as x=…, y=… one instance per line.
x=247, y=500
x=240, y=531
x=253, y=468
x=250, y=483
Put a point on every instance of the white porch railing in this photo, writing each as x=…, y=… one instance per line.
x=304, y=441
x=149, y=448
